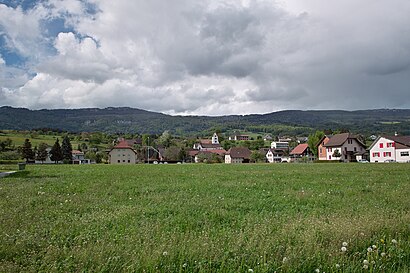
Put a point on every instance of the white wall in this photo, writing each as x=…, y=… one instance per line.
x=401, y=155
x=122, y=156
x=382, y=156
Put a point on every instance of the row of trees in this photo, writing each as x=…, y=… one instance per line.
x=58, y=152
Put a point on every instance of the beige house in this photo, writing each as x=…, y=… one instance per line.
x=344, y=147
x=238, y=155
x=122, y=153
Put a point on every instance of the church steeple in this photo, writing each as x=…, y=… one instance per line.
x=215, y=139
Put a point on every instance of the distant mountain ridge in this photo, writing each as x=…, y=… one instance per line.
x=132, y=120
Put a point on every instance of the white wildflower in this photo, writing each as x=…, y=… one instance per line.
x=317, y=270
x=366, y=262
x=394, y=241
x=344, y=244
x=383, y=254
x=369, y=249
x=343, y=249
x=284, y=260
x=250, y=270
x=374, y=246
x=365, y=266
x=337, y=265
x=184, y=265
x=164, y=253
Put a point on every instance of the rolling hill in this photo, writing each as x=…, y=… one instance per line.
x=131, y=120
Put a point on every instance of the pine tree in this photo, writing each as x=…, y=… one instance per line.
x=56, y=154
x=67, y=149
x=26, y=151
x=42, y=153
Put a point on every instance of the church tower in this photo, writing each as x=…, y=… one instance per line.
x=215, y=139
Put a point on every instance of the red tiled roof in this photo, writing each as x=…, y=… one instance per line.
x=300, y=149
x=122, y=145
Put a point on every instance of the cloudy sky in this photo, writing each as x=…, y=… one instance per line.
x=205, y=57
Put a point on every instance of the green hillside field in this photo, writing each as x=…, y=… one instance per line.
x=206, y=218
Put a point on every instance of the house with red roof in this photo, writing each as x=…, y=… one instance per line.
x=301, y=151
x=122, y=153
x=321, y=149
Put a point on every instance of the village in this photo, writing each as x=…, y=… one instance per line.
x=233, y=149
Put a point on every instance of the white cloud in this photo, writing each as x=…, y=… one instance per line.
x=214, y=57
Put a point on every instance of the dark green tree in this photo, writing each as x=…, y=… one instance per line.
x=55, y=153
x=67, y=149
x=257, y=156
x=313, y=141
x=26, y=151
x=42, y=153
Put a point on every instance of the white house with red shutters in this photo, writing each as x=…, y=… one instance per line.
x=390, y=149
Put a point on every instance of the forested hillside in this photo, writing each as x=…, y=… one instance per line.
x=130, y=120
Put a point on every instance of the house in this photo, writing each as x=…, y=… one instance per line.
x=122, y=153
x=321, y=149
x=238, y=155
x=344, y=147
x=280, y=145
x=239, y=137
x=79, y=157
x=301, y=151
x=267, y=137
x=274, y=156
x=390, y=148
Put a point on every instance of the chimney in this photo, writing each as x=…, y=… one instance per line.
x=395, y=133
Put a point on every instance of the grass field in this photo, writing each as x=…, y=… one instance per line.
x=19, y=138
x=206, y=218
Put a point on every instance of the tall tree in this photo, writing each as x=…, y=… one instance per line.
x=314, y=140
x=55, y=153
x=42, y=153
x=67, y=149
x=165, y=139
x=26, y=151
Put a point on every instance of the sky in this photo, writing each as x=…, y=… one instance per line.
x=207, y=57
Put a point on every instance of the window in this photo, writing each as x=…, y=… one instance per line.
x=119, y=161
x=381, y=145
x=391, y=144
x=355, y=149
x=123, y=160
x=377, y=154
x=387, y=154
x=129, y=161
x=330, y=157
x=404, y=153
x=350, y=141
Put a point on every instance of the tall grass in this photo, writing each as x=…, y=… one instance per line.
x=206, y=218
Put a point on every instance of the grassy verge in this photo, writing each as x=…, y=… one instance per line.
x=206, y=218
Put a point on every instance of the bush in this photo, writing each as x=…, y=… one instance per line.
x=10, y=155
x=9, y=162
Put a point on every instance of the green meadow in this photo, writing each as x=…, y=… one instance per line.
x=206, y=218
x=18, y=138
